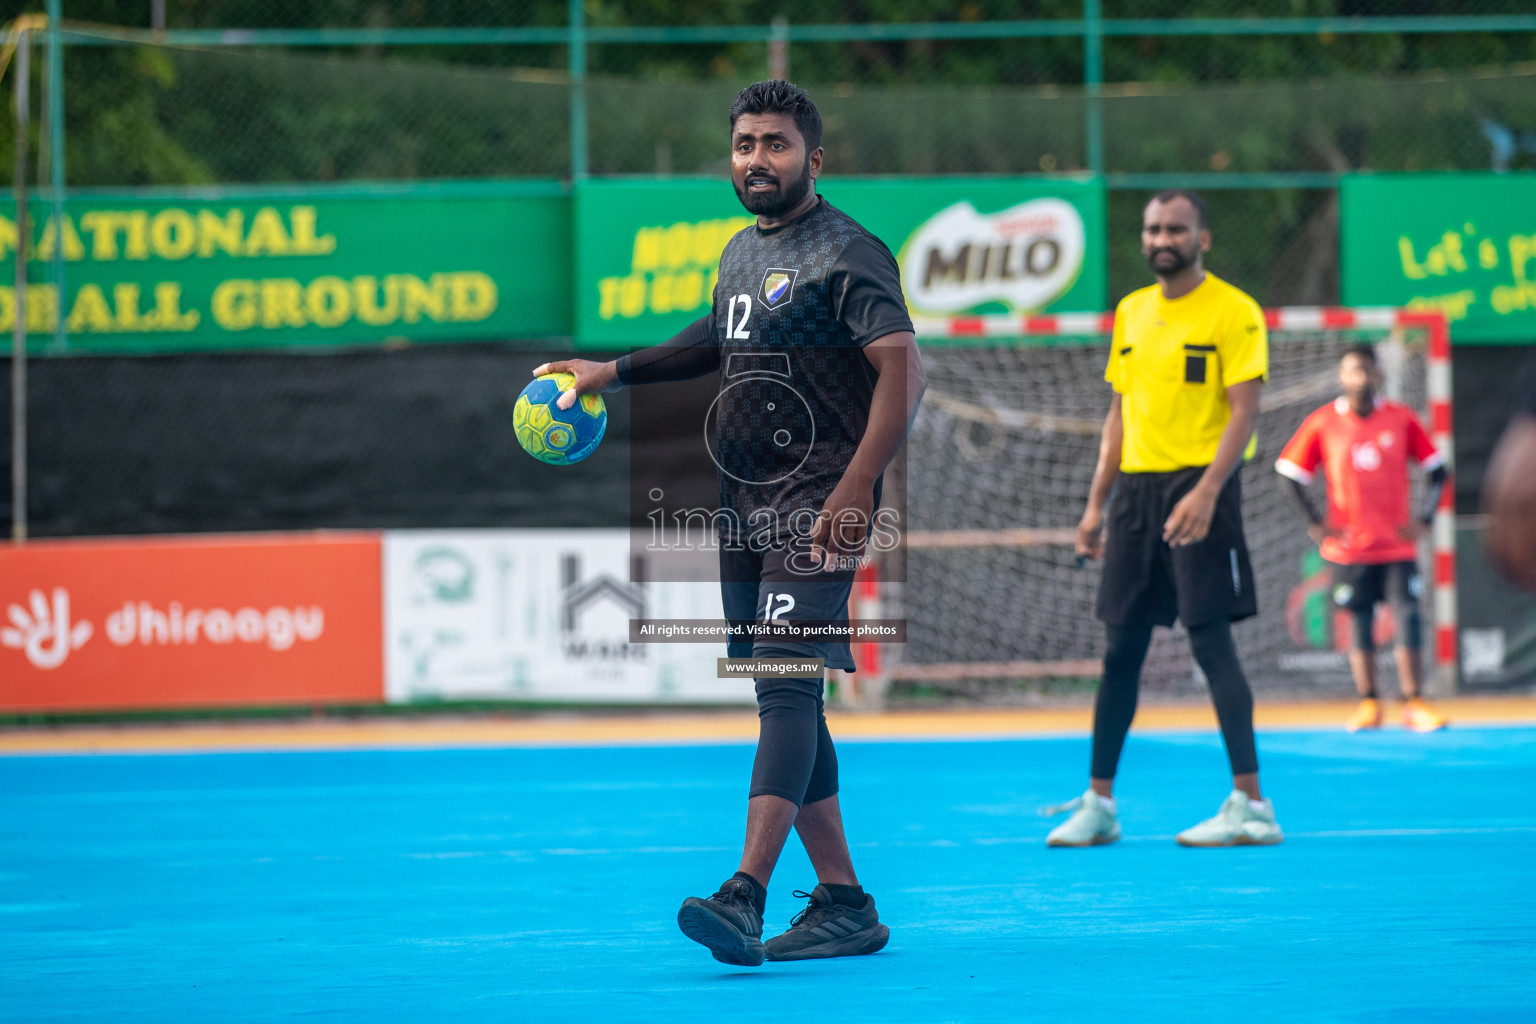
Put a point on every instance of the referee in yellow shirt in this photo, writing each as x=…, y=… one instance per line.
x=1188, y=358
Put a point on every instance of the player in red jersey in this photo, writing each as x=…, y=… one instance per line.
x=1364, y=445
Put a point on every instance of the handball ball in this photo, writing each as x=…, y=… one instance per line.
x=552, y=434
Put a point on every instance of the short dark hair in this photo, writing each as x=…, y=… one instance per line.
x=1365, y=352
x=780, y=97
x=1168, y=195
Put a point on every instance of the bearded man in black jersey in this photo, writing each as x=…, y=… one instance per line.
x=819, y=382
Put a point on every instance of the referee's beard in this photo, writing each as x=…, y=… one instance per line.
x=775, y=202
x=1170, y=260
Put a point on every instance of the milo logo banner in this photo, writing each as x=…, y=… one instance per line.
x=988, y=245
x=647, y=250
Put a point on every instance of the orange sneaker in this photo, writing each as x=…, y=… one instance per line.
x=1367, y=716
x=1420, y=717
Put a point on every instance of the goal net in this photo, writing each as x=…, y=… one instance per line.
x=997, y=472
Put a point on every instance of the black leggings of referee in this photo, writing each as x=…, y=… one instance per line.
x=1115, y=704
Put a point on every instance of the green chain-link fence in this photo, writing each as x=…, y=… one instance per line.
x=1262, y=104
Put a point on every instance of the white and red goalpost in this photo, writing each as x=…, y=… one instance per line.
x=935, y=536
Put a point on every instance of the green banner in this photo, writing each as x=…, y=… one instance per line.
x=307, y=266
x=1461, y=243
x=648, y=250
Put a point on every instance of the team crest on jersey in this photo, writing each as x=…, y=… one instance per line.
x=778, y=287
x=1366, y=457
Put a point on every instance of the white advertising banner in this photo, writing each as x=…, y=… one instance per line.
x=538, y=615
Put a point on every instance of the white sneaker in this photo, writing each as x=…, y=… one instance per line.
x=1091, y=824
x=1238, y=823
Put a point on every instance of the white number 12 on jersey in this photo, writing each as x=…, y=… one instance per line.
x=735, y=331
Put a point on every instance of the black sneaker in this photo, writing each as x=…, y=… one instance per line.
x=825, y=928
x=728, y=923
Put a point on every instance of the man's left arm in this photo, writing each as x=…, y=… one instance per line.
x=1422, y=448
x=1191, y=518
x=865, y=287
x=898, y=391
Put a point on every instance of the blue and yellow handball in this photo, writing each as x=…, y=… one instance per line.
x=552, y=434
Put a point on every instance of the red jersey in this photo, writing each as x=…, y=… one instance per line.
x=1365, y=460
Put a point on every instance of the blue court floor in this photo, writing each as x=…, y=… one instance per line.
x=542, y=884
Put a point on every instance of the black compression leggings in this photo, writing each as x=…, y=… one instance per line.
x=1115, y=704
x=795, y=757
x=1410, y=630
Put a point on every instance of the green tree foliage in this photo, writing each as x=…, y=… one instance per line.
x=115, y=131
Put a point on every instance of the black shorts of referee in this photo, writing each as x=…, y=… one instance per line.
x=1149, y=583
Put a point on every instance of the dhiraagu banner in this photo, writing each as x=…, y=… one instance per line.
x=321, y=266
x=647, y=250
x=1461, y=243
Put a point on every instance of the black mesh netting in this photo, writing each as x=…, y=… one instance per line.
x=367, y=438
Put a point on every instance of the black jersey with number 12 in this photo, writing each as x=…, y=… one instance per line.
x=793, y=309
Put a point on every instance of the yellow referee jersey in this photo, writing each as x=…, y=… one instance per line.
x=1172, y=361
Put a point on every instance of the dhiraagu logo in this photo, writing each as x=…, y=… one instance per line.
x=1025, y=257
x=42, y=629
